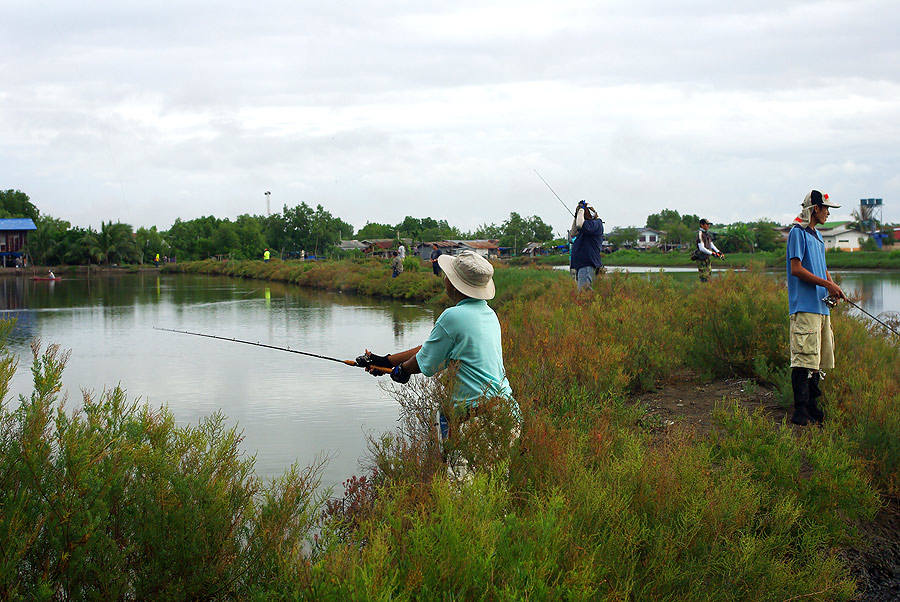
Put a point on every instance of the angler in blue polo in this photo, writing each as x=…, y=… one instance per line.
x=809, y=287
x=467, y=333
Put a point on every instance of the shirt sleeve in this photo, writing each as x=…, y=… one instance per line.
x=433, y=356
x=796, y=245
x=592, y=226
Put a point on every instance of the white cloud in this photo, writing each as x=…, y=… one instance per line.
x=150, y=111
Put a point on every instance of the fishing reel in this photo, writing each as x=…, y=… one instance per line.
x=829, y=301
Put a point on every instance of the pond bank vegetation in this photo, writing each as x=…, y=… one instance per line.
x=115, y=501
x=837, y=260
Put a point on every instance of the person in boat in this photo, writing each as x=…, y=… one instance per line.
x=468, y=334
x=810, y=288
x=50, y=275
x=587, y=247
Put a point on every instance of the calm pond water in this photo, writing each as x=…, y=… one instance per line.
x=290, y=407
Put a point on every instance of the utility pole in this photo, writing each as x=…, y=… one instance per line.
x=268, y=211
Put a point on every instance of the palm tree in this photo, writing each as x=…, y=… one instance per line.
x=113, y=242
x=41, y=245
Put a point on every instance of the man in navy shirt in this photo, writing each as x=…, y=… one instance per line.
x=435, y=254
x=587, y=230
x=809, y=284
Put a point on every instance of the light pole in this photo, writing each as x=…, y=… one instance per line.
x=268, y=212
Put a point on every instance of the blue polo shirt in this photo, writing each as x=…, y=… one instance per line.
x=469, y=333
x=806, y=244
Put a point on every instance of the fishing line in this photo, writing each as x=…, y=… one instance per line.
x=258, y=344
x=873, y=317
x=831, y=302
x=554, y=193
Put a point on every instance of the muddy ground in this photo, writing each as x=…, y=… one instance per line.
x=687, y=402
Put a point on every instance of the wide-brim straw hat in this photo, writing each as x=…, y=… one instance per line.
x=470, y=273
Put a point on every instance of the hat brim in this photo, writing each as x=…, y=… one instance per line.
x=832, y=205
x=475, y=292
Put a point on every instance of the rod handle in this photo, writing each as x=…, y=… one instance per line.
x=376, y=368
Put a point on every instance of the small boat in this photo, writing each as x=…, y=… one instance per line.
x=46, y=278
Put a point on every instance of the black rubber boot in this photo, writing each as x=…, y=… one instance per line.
x=800, y=383
x=812, y=406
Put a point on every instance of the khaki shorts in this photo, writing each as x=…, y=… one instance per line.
x=812, y=342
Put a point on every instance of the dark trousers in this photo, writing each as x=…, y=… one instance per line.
x=806, y=396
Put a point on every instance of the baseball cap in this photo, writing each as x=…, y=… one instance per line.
x=818, y=198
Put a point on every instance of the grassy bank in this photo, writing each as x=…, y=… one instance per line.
x=593, y=502
x=837, y=260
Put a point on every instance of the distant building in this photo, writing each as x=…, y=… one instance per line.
x=840, y=235
x=379, y=247
x=489, y=249
x=534, y=249
x=13, y=236
x=836, y=235
x=446, y=247
x=352, y=245
x=648, y=237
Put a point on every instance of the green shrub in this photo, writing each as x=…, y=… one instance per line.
x=114, y=501
x=412, y=263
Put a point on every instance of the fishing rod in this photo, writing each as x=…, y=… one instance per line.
x=288, y=349
x=554, y=193
x=831, y=302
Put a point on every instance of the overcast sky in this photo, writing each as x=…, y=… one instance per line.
x=145, y=111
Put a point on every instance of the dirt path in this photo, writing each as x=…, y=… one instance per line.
x=689, y=402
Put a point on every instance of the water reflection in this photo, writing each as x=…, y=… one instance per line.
x=290, y=407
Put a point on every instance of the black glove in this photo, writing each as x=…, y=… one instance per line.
x=399, y=375
x=371, y=359
x=380, y=360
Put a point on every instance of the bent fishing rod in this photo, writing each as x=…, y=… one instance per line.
x=288, y=349
x=554, y=193
x=831, y=302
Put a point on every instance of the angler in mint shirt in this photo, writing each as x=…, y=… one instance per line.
x=467, y=334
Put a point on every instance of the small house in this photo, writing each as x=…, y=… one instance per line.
x=489, y=249
x=13, y=236
x=839, y=235
x=648, y=237
x=534, y=249
x=446, y=247
x=352, y=245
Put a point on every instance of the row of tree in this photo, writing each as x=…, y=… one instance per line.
x=740, y=237
x=317, y=232
x=295, y=229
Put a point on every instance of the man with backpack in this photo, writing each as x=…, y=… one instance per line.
x=705, y=251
